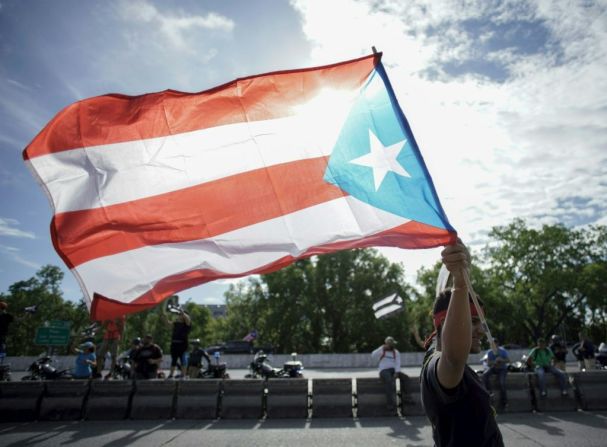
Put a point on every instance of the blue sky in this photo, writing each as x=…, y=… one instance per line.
x=507, y=99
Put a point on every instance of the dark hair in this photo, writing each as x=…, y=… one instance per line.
x=441, y=303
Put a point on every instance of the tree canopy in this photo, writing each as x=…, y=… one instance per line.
x=534, y=282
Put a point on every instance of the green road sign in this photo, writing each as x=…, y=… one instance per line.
x=55, y=333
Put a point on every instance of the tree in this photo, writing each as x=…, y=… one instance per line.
x=320, y=304
x=44, y=291
x=548, y=280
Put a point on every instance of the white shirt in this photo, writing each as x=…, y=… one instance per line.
x=387, y=359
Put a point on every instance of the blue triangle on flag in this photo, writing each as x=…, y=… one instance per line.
x=376, y=113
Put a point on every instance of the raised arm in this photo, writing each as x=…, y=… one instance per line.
x=186, y=318
x=456, y=335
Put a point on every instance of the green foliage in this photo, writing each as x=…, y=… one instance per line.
x=43, y=290
x=320, y=305
x=533, y=282
x=547, y=280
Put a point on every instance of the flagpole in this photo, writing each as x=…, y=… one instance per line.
x=480, y=312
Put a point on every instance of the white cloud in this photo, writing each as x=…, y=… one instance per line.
x=175, y=27
x=497, y=149
x=8, y=227
x=14, y=254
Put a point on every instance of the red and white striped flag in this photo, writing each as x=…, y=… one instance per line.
x=158, y=193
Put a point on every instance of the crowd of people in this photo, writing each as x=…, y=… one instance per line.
x=144, y=356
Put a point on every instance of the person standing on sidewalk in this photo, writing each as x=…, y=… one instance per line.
x=179, y=341
x=389, y=369
x=112, y=335
x=453, y=396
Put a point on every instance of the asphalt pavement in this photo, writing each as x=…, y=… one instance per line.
x=579, y=429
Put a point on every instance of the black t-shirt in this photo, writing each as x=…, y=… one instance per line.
x=461, y=416
x=144, y=353
x=559, y=350
x=5, y=320
x=180, y=332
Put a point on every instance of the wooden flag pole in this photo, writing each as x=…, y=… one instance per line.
x=480, y=312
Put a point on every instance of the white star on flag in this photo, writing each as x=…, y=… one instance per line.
x=382, y=159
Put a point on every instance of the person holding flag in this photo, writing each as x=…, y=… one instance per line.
x=453, y=396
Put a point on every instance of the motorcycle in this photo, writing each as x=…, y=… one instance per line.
x=215, y=370
x=601, y=356
x=42, y=369
x=521, y=365
x=5, y=369
x=123, y=368
x=261, y=367
x=293, y=368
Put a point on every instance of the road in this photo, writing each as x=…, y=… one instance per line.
x=580, y=429
x=320, y=373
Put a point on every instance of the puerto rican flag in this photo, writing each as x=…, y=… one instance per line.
x=158, y=193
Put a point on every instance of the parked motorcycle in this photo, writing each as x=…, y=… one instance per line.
x=5, y=369
x=261, y=367
x=123, y=368
x=293, y=368
x=521, y=365
x=601, y=356
x=217, y=370
x=42, y=369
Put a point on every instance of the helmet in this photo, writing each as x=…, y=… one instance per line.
x=136, y=341
x=555, y=338
x=196, y=341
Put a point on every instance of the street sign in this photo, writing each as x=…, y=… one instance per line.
x=54, y=333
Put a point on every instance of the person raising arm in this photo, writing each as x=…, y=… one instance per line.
x=453, y=396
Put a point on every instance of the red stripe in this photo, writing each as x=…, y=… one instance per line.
x=118, y=118
x=198, y=212
x=409, y=235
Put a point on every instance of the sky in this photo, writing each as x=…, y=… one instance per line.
x=507, y=99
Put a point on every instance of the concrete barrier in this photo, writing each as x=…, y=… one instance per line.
x=20, y=401
x=410, y=397
x=242, y=399
x=520, y=399
x=198, y=399
x=553, y=401
x=153, y=399
x=109, y=400
x=287, y=398
x=371, y=399
x=331, y=398
x=592, y=389
x=63, y=400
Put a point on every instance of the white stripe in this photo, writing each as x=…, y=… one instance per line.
x=388, y=310
x=104, y=175
x=128, y=275
x=384, y=301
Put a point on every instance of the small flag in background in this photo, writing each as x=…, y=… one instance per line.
x=250, y=336
x=158, y=193
x=388, y=306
